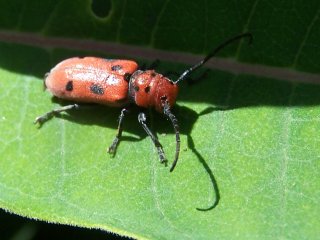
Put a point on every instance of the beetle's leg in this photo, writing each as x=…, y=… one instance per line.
x=174, y=121
x=142, y=120
x=113, y=147
x=168, y=74
x=41, y=119
x=152, y=65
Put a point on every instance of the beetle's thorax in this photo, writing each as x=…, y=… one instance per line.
x=149, y=89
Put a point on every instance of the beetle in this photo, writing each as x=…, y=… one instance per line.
x=119, y=83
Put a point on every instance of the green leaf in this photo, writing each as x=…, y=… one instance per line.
x=249, y=162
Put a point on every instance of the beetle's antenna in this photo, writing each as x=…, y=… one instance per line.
x=213, y=53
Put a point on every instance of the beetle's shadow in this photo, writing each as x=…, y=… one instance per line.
x=92, y=114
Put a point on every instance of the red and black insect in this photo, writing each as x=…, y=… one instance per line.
x=119, y=83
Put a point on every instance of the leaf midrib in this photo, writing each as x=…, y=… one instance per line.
x=134, y=52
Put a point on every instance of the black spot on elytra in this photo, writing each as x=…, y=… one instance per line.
x=96, y=89
x=153, y=74
x=69, y=86
x=147, y=89
x=127, y=77
x=116, y=67
x=136, y=88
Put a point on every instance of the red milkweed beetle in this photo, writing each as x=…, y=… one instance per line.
x=118, y=83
